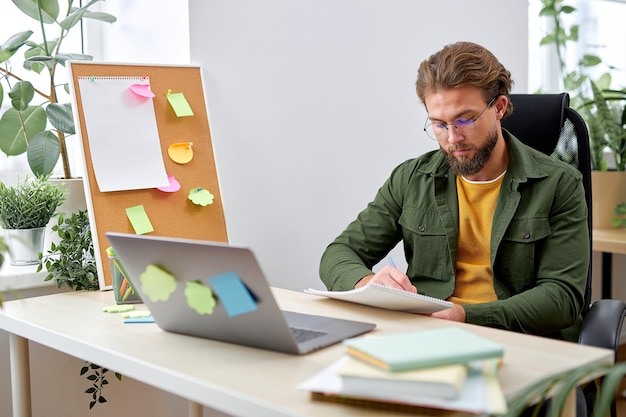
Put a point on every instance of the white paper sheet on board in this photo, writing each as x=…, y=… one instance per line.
x=122, y=133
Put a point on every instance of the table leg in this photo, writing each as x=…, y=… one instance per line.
x=607, y=272
x=20, y=376
x=195, y=409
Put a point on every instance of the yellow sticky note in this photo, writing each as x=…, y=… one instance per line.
x=139, y=219
x=181, y=152
x=179, y=104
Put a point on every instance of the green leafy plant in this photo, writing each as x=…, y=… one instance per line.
x=29, y=204
x=558, y=388
x=97, y=375
x=602, y=108
x=24, y=128
x=71, y=262
x=620, y=216
x=605, y=114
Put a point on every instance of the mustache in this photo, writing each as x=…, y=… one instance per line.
x=459, y=147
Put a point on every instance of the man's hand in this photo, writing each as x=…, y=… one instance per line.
x=454, y=313
x=389, y=277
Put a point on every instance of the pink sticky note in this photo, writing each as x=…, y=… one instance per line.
x=142, y=90
x=173, y=187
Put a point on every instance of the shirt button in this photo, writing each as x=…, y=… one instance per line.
x=421, y=228
x=526, y=235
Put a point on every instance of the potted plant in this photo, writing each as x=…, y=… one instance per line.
x=37, y=123
x=25, y=210
x=604, y=110
x=71, y=262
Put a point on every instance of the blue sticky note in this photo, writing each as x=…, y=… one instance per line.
x=233, y=294
x=148, y=319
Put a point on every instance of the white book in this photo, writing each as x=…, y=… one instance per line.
x=386, y=297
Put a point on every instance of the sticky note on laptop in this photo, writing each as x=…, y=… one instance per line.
x=233, y=294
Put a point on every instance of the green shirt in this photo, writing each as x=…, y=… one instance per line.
x=539, y=246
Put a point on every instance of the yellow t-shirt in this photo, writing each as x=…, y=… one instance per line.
x=477, y=204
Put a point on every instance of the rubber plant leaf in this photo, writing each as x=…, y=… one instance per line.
x=49, y=9
x=43, y=153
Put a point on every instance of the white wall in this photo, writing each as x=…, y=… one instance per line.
x=312, y=103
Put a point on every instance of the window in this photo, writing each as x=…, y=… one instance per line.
x=602, y=33
x=146, y=31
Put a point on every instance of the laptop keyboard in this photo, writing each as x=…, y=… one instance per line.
x=304, y=335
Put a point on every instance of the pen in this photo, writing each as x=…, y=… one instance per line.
x=391, y=262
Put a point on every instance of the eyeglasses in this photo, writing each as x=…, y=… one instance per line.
x=441, y=131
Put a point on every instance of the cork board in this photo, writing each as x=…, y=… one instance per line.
x=170, y=213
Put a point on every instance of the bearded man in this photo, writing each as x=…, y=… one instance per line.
x=486, y=222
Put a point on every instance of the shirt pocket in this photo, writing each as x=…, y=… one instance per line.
x=427, y=243
x=518, y=251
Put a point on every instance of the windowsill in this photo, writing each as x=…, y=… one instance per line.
x=14, y=278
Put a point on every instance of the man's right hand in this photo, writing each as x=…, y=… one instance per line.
x=389, y=277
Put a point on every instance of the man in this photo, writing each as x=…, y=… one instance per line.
x=486, y=222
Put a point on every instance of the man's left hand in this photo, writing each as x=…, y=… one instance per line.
x=454, y=313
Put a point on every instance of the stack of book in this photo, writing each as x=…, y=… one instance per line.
x=448, y=368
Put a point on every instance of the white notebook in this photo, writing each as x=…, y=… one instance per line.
x=386, y=297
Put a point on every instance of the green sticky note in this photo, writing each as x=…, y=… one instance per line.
x=136, y=314
x=200, y=196
x=179, y=104
x=118, y=308
x=200, y=297
x=157, y=283
x=139, y=219
x=233, y=294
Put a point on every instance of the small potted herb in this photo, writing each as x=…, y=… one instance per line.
x=25, y=210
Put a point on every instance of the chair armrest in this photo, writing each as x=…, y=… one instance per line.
x=602, y=325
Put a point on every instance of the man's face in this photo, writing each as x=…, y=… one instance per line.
x=465, y=128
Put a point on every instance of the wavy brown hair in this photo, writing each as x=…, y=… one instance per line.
x=464, y=64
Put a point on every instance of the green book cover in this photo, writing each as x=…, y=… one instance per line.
x=422, y=349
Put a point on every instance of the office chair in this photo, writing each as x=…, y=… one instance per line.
x=547, y=123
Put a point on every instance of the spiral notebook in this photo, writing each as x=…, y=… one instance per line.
x=386, y=297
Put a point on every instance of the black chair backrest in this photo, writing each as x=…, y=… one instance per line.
x=546, y=122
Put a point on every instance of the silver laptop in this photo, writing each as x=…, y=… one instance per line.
x=241, y=310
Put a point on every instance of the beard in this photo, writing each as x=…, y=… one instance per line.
x=467, y=166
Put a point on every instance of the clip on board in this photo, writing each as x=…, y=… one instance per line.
x=147, y=151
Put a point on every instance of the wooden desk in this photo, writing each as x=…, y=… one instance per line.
x=609, y=242
x=238, y=380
